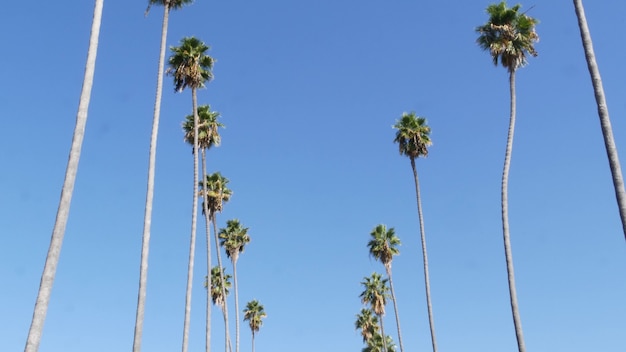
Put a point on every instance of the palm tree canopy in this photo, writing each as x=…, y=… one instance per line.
x=375, y=293
x=218, y=192
x=384, y=244
x=189, y=64
x=508, y=36
x=208, y=125
x=412, y=135
x=375, y=344
x=171, y=4
x=254, y=314
x=367, y=322
x=234, y=238
x=217, y=295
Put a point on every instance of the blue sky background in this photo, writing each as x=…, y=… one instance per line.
x=309, y=91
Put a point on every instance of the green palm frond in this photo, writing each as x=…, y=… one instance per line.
x=217, y=295
x=189, y=64
x=234, y=238
x=375, y=293
x=254, y=314
x=383, y=244
x=208, y=134
x=218, y=192
x=412, y=135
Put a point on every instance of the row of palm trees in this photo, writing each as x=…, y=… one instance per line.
x=508, y=35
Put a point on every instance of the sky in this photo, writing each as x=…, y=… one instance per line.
x=308, y=92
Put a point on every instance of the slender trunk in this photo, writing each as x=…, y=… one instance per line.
x=208, y=251
x=228, y=346
x=63, y=211
x=252, y=340
x=395, y=306
x=234, y=257
x=603, y=113
x=382, y=332
x=429, y=304
x=147, y=222
x=194, y=217
x=505, y=221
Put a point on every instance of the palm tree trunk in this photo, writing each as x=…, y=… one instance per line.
x=147, y=222
x=63, y=211
x=505, y=220
x=252, y=340
x=603, y=113
x=429, y=304
x=194, y=218
x=395, y=307
x=236, y=303
x=382, y=332
x=219, y=263
x=208, y=252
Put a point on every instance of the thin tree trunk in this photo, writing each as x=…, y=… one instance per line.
x=228, y=347
x=429, y=304
x=252, y=340
x=505, y=220
x=236, y=303
x=603, y=113
x=194, y=218
x=382, y=332
x=395, y=307
x=63, y=211
x=208, y=251
x=147, y=222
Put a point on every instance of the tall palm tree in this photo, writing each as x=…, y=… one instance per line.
x=413, y=138
x=216, y=195
x=63, y=211
x=367, y=322
x=375, y=293
x=191, y=68
x=375, y=344
x=147, y=222
x=220, y=284
x=509, y=36
x=254, y=314
x=383, y=246
x=234, y=239
x=603, y=112
x=208, y=136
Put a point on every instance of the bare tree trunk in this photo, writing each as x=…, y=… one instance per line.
x=236, y=302
x=208, y=251
x=147, y=222
x=431, y=319
x=505, y=220
x=395, y=307
x=603, y=113
x=229, y=346
x=194, y=218
x=382, y=332
x=63, y=211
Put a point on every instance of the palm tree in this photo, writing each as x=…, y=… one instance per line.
x=509, y=36
x=145, y=242
x=220, y=285
x=254, y=314
x=603, y=113
x=208, y=136
x=191, y=67
x=375, y=344
x=367, y=322
x=413, y=138
x=375, y=293
x=234, y=239
x=63, y=211
x=217, y=194
x=383, y=246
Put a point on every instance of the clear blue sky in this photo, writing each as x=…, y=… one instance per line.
x=309, y=91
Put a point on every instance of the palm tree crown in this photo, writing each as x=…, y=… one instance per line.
x=218, y=289
x=375, y=293
x=384, y=244
x=189, y=64
x=367, y=322
x=234, y=238
x=413, y=135
x=508, y=36
x=169, y=4
x=208, y=125
x=218, y=192
x=254, y=314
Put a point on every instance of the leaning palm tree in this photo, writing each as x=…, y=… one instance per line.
x=413, y=138
x=254, y=314
x=208, y=136
x=234, y=239
x=217, y=193
x=367, y=322
x=603, y=112
x=191, y=68
x=375, y=293
x=63, y=210
x=509, y=36
x=145, y=242
x=219, y=283
x=383, y=246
